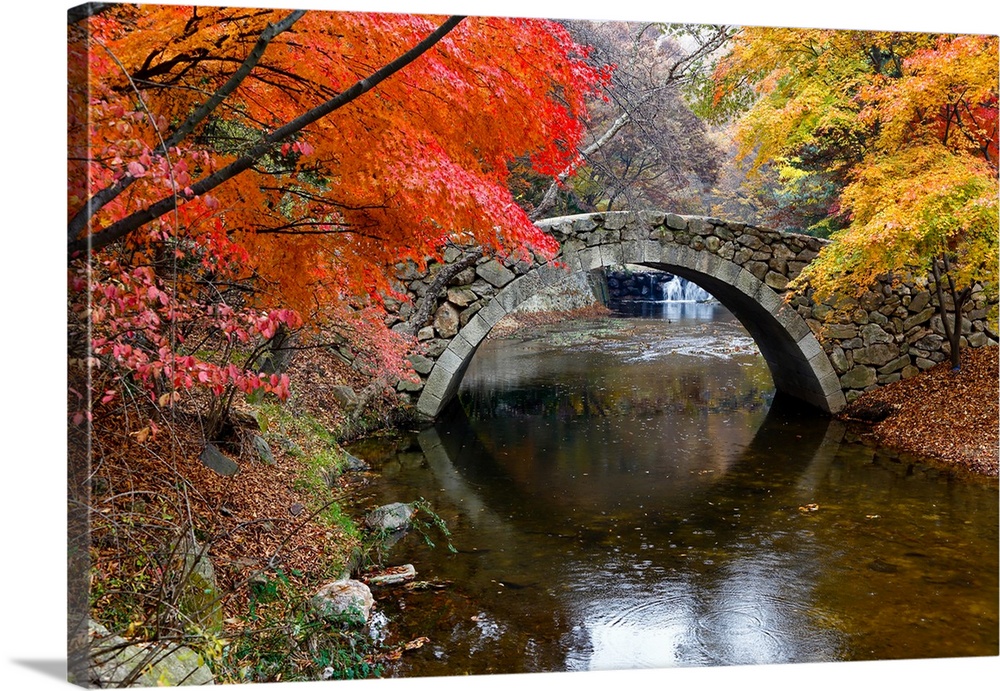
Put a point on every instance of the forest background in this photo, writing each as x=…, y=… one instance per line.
x=33, y=349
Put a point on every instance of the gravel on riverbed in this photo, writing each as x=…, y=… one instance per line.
x=949, y=416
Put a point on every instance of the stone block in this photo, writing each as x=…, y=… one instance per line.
x=407, y=386
x=929, y=343
x=676, y=222
x=590, y=259
x=920, y=317
x=495, y=273
x=978, y=340
x=747, y=283
x=510, y=297
x=446, y=320
x=873, y=333
x=633, y=251
x=809, y=347
x=792, y=322
x=840, y=332
x=700, y=226
x=494, y=311
x=616, y=220
x=483, y=288
x=461, y=297
x=895, y=365
x=859, y=377
x=475, y=331
x=877, y=354
x=434, y=347
x=838, y=358
x=449, y=362
x=469, y=312
x=758, y=269
x=421, y=364
x=214, y=459
x=461, y=348
x=910, y=371
x=726, y=271
x=652, y=218
x=775, y=280
x=771, y=301
x=551, y=274
x=436, y=387
x=428, y=406
x=612, y=255
x=919, y=301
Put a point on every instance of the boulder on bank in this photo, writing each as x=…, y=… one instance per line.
x=263, y=449
x=354, y=464
x=113, y=661
x=199, y=598
x=344, y=600
x=391, y=518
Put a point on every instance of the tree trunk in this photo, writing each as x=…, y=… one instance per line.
x=952, y=328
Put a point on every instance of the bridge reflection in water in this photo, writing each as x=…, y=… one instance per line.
x=729, y=599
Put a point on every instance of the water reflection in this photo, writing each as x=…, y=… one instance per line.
x=661, y=572
x=614, y=511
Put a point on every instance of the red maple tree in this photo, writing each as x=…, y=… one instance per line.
x=237, y=173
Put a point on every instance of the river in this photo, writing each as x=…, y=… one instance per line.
x=629, y=492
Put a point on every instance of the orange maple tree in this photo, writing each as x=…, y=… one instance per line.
x=240, y=172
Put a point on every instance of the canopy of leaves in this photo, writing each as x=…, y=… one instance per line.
x=166, y=97
x=896, y=134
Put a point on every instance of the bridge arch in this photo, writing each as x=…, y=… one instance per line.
x=823, y=353
x=799, y=366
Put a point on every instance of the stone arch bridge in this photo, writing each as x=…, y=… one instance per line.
x=821, y=355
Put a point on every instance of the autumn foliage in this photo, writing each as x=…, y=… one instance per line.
x=183, y=271
x=893, y=136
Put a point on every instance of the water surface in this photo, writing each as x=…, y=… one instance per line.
x=628, y=492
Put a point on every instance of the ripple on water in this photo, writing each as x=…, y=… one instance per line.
x=734, y=637
x=650, y=632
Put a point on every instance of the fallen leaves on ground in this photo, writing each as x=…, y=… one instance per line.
x=949, y=416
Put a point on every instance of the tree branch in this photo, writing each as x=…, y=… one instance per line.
x=429, y=300
x=99, y=200
x=123, y=227
x=549, y=200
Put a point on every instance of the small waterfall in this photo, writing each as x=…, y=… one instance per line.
x=678, y=289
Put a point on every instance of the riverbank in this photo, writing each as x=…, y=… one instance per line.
x=949, y=417
x=264, y=521
x=515, y=321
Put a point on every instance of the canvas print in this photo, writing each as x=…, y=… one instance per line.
x=406, y=346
